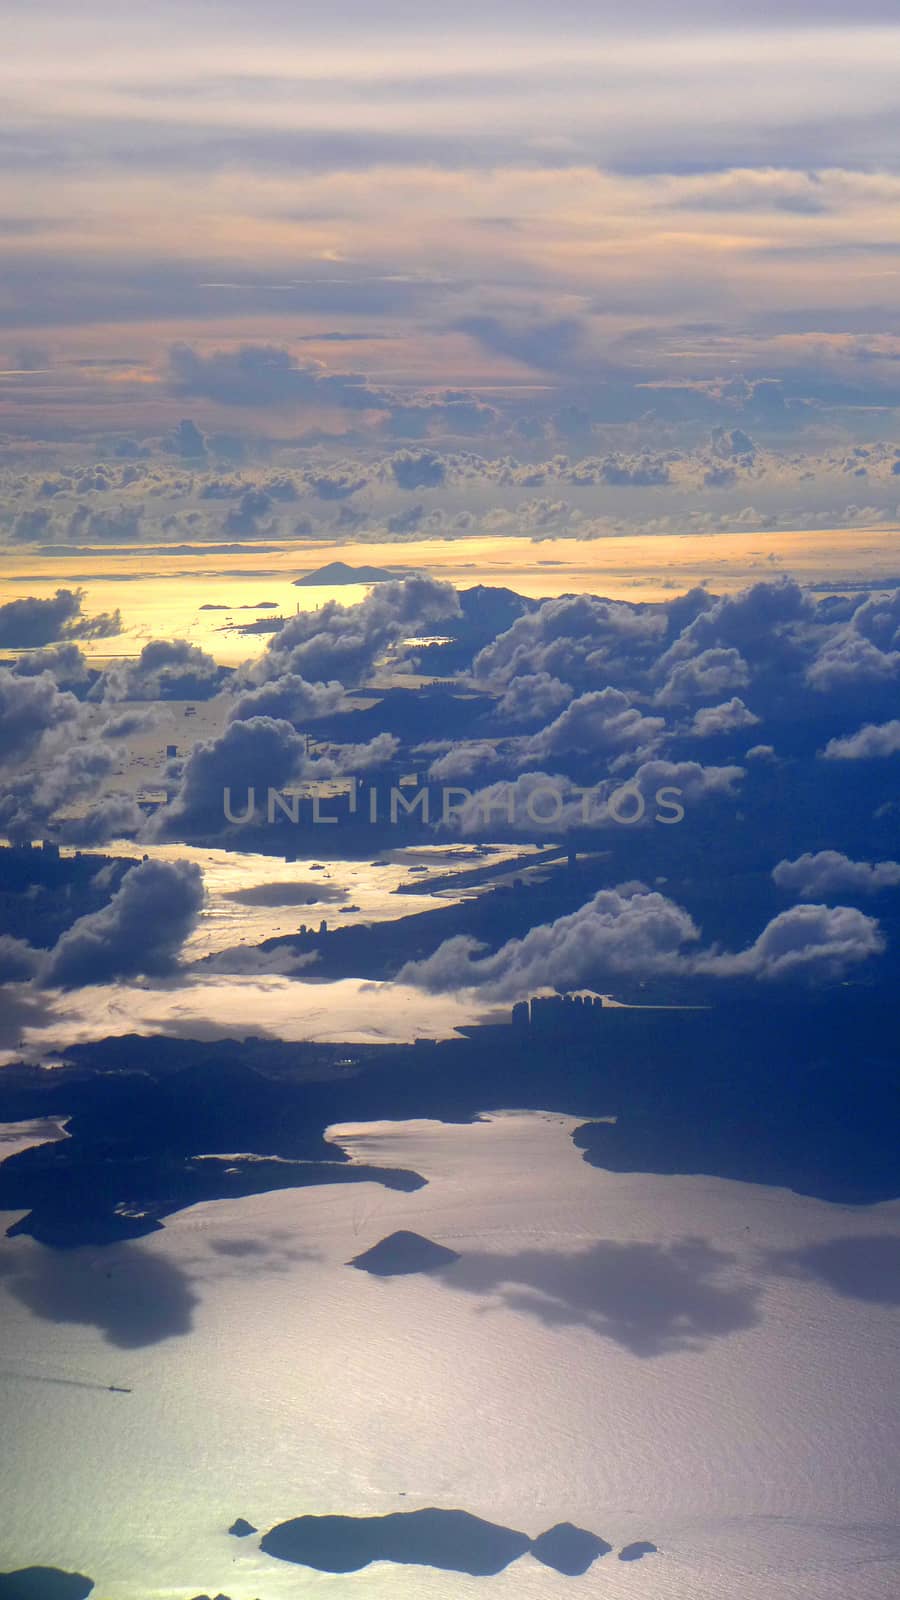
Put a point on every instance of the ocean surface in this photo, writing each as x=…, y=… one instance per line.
x=706, y=1365
x=205, y=595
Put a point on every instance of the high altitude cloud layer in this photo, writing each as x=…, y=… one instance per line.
x=595, y=225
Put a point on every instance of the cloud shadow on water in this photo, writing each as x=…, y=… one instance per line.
x=133, y=1298
x=651, y=1299
x=863, y=1268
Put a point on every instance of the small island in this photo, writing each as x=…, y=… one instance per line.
x=44, y=1583
x=336, y=573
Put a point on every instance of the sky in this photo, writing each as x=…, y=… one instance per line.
x=524, y=230
x=325, y=277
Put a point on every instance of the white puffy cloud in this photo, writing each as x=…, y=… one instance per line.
x=545, y=805
x=712, y=720
x=257, y=754
x=64, y=662
x=620, y=930
x=29, y=708
x=875, y=741
x=292, y=698
x=579, y=639
x=344, y=642
x=354, y=758
x=711, y=672
x=864, y=651
x=63, y=772
x=166, y=669
x=29, y=623
x=463, y=760
x=878, y=620
x=851, y=661
x=828, y=872
x=760, y=622
x=812, y=942
x=533, y=697
x=631, y=930
x=141, y=930
x=604, y=721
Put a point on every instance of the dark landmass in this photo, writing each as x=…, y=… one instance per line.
x=43, y=1583
x=402, y=1254
x=102, y=1199
x=338, y=572
x=259, y=625
x=636, y=1551
x=569, y=1550
x=760, y=1089
x=241, y=1528
x=484, y=872
x=454, y=1541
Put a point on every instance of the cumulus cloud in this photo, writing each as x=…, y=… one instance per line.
x=463, y=760
x=732, y=442
x=353, y=758
x=852, y=661
x=619, y=930
x=116, y=816
x=602, y=721
x=712, y=720
x=578, y=639
x=29, y=623
x=828, y=872
x=18, y=961
x=811, y=942
x=29, y=708
x=64, y=772
x=292, y=698
x=760, y=622
x=874, y=741
x=186, y=440
x=166, y=669
x=645, y=472
x=420, y=469
x=711, y=672
x=106, y=525
x=344, y=642
x=864, y=651
x=140, y=931
x=694, y=782
x=257, y=375
x=257, y=754
x=878, y=620
x=245, y=520
x=64, y=662
x=544, y=805
x=631, y=930
x=533, y=697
